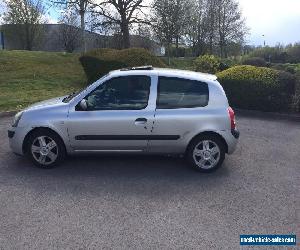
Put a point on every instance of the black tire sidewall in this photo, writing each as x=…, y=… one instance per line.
x=195, y=142
x=58, y=141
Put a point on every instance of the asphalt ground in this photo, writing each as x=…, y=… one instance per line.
x=154, y=202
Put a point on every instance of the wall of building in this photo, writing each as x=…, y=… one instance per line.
x=49, y=39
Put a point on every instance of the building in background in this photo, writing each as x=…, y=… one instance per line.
x=1, y=40
x=63, y=37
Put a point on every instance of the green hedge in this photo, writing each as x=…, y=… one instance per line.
x=258, y=88
x=95, y=68
x=255, y=61
x=207, y=64
x=99, y=62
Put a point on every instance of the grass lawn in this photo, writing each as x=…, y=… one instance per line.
x=27, y=77
x=179, y=62
x=31, y=76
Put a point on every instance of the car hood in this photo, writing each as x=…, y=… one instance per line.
x=46, y=103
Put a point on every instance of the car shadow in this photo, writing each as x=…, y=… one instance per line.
x=125, y=174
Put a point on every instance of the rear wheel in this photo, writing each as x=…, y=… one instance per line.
x=45, y=148
x=206, y=153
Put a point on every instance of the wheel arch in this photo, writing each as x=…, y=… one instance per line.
x=211, y=133
x=25, y=141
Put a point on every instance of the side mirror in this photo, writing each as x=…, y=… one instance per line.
x=83, y=104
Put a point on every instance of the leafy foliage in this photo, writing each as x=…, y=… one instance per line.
x=275, y=54
x=258, y=88
x=207, y=64
x=95, y=68
x=293, y=52
x=278, y=54
x=99, y=62
x=288, y=67
x=255, y=61
x=296, y=97
x=25, y=17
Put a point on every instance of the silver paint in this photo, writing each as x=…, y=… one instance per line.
x=185, y=122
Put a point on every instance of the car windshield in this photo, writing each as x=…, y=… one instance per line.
x=69, y=97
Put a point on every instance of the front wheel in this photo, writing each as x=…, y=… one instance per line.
x=206, y=153
x=45, y=148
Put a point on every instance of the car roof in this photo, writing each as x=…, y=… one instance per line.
x=165, y=72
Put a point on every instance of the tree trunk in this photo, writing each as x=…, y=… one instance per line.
x=221, y=48
x=177, y=41
x=169, y=57
x=28, y=43
x=125, y=34
x=82, y=26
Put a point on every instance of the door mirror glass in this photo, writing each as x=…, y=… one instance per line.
x=83, y=105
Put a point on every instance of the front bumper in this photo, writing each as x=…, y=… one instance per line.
x=16, y=138
x=10, y=134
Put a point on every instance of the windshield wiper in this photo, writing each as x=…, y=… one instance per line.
x=69, y=97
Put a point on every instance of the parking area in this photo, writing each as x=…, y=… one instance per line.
x=154, y=202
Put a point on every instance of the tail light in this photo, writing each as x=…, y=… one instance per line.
x=232, y=118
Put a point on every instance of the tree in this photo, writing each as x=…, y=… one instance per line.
x=230, y=24
x=69, y=34
x=163, y=22
x=196, y=30
x=2, y=11
x=216, y=27
x=293, y=52
x=122, y=13
x=170, y=20
x=81, y=7
x=181, y=18
x=210, y=21
x=26, y=15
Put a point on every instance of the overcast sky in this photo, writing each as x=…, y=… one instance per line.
x=278, y=20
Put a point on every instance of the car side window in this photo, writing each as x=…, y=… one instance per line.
x=174, y=93
x=121, y=93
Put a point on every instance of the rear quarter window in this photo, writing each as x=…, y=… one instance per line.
x=174, y=93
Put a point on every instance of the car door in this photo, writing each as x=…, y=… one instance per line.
x=180, y=110
x=119, y=115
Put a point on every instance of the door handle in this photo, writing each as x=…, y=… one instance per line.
x=140, y=121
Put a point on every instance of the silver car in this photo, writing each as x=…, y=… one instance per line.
x=137, y=110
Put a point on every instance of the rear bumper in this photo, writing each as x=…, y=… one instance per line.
x=231, y=137
x=235, y=133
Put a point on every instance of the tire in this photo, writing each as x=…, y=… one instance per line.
x=206, y=159
x=45, y=148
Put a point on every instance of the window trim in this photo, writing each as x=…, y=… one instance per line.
x=77, y=106
x=181, y=78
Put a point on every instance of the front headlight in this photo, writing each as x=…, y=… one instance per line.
x=17, y=119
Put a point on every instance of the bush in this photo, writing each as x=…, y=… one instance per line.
x=275, y=54
x=99, y=62
x=296, y=97
x=255, y=61
x=288, y=67
x=227, y=63
x=293, y=52
x=207, y=64
x=95, y=68
x=258, y=88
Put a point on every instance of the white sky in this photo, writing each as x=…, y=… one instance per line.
x=278, y=20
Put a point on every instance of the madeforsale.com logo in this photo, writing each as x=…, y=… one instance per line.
x=270, y=240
